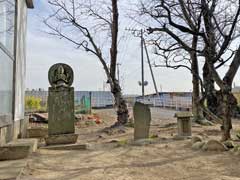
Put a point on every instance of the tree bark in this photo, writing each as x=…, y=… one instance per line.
x=227, y=124
x=229, y=101
x=196, y=107
x=122, y=110
x=210, y=92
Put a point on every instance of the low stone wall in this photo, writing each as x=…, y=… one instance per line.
x=5, y=134
x=14, y=131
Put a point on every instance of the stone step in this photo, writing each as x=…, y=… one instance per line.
x=66, y=147
x=13, y=152
x=18, y=149
x=32, y=142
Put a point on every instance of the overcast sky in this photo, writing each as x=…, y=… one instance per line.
x=43, y=51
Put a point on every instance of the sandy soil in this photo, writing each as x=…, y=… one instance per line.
x=168, y=159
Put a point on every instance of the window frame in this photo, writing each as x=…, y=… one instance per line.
x=2, y=46
x=8, y=119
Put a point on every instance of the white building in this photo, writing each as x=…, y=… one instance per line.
x=13, y=25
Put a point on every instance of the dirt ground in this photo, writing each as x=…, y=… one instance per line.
x=168, y=159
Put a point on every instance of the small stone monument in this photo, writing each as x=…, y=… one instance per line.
x=184, y=123
x=61, y=105
x=142, y=120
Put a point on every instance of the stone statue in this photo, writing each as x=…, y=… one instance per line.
x=61, y=117
x=60, y=75
x=60, y=79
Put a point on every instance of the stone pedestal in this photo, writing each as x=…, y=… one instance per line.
x=142, y=120
x=184, y=123
x=61, y=139
x=61, y=106
x=61, y=111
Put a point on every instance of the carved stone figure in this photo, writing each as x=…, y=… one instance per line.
x=60, y=75
x=61, y=105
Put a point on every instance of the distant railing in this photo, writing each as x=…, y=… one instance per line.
x=174, y=103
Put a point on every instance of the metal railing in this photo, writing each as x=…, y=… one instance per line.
x=174, y=103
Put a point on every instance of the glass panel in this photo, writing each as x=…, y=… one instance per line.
x=6, y=87
x=7, y=18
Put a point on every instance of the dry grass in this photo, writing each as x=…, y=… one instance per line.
x=166, y=160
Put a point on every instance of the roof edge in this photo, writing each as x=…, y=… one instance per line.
x=30, y=4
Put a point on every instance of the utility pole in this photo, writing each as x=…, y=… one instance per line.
x=142, y=61
x=150, y=67
x=139, y=33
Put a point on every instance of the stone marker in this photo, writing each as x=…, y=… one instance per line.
x=184, y=123
x=142, y=119
x=61, y=104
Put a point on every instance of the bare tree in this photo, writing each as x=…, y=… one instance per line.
x=216, y=31
x=177, y=48
x=220, y=30
x=92, y=25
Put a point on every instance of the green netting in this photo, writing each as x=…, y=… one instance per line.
x=84, y=106
x=87, y=103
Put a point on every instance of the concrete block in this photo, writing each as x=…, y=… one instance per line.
x=23, y=127
x=6, y=134
x=14, y=152
x=16, y=129
x=32, y=142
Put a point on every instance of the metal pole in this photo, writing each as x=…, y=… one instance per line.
x=142, y=42
x=150, y=67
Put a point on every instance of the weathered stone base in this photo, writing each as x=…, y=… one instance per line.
x=18, y=149
x=37, y=132
x=32, y=142
x=12, y=152
x=61, y=139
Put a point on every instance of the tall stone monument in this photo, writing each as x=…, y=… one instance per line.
x=142, y=120
x=60, y=105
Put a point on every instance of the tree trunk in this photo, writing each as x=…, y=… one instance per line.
x=226, y=110
x=210, y=92
x=196, y=107
x=122, y=111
